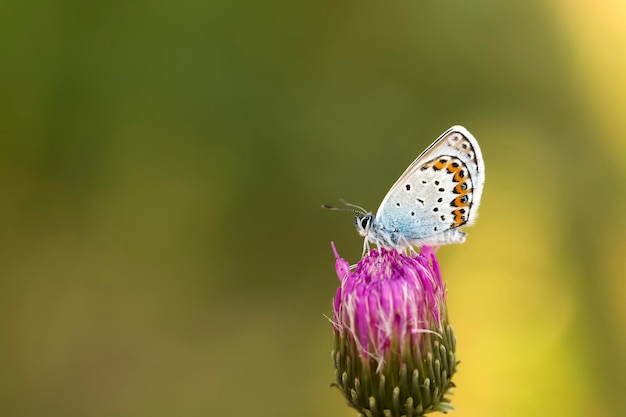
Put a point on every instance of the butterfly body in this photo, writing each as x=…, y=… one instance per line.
x=438, y=193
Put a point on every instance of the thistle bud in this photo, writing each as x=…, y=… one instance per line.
x=394, y=348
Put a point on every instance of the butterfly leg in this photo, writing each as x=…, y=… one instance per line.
x=366, y=247
x=406, y=246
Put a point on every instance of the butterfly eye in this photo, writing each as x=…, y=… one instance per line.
x=363, y=223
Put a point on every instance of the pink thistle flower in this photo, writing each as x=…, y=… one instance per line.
x=394, y=349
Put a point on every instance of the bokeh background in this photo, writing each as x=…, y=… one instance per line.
x=162, y=165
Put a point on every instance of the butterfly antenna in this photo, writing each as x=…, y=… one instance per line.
x=327, y=207
x=350, y=207
x=361, y=209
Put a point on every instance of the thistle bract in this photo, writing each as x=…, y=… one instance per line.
x=394, y=349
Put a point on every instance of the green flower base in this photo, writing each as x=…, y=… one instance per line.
x=411, y=384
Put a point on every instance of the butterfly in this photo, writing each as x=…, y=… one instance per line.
x=436, y=195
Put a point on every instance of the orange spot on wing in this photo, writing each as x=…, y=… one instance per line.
x=458, y=171
x=458, y=218
x=458, y=202
x=459, y=188
x=457, y=175
x=440, y=164
x=452, y=169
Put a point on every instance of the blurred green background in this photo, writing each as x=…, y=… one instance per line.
x=162, y=165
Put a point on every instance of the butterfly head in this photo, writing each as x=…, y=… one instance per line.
x=363, y=223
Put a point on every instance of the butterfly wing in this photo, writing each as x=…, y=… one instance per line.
x=439, y=192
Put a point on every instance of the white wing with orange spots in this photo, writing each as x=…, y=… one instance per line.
x=438, y=193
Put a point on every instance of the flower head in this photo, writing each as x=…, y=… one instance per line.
x=394, y=349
